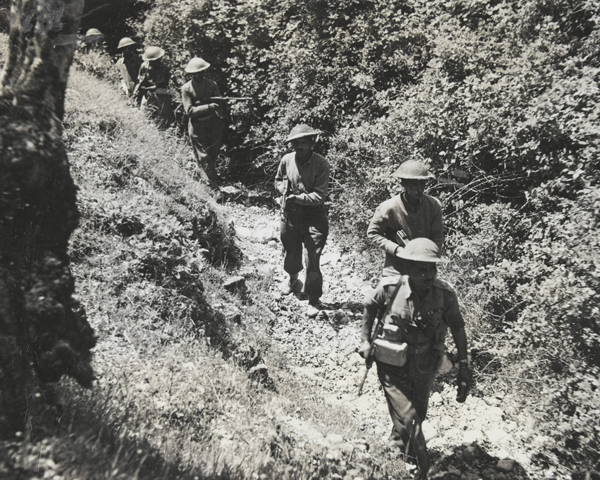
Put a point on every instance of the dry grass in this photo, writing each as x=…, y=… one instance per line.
x=149, y=258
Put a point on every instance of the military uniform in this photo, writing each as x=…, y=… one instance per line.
x=153, y=85
x=305, y=220
x=397, y=214
x=205, y=126
x=129, y=67
x=422, y=323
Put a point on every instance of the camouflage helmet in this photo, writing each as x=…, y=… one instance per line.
x=196, y=65
x=152, y=53
x=421, y=250
x=413, y=170
x=300, y=131
x=93, y=32
x=125, y=42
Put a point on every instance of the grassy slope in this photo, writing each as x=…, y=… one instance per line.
x=170, y=401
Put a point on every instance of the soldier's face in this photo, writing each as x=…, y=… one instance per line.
x=303, y=145
x=422, y=274
x=414, y=188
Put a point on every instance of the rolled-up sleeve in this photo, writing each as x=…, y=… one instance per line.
x=452, y=315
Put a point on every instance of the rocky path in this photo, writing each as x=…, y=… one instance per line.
x=482, y=438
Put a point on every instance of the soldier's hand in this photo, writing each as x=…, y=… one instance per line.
x=290, y=199
x=363, y=350
x=213, y=106
x=463, y=380
x=280, y=186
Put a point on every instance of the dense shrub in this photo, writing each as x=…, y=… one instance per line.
x=500, y=98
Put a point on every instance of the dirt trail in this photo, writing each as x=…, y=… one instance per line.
x=473, y=440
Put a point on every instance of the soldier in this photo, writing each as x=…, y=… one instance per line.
x=152, y=90
x=128, y=64
x=205, y=126
x=93, y=40
x=422, y=308
x=303, y=180
x=406, y=216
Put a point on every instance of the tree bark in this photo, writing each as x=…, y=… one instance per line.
x=44, y=333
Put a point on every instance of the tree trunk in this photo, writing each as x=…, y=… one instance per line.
x=43, y=331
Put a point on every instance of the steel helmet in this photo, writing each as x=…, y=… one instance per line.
x=152, y=53
x=125, y=42
x=421, y=250
x=413, y=170
x=196, y=65
x=92, y=32
x=300, y=131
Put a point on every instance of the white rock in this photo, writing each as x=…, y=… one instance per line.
x=502, y=454
x=496, y=413
x=472, y=436
x=446, y=422
x=334, y=439
x=435, y=398
x=495, y=435
x=429, y=431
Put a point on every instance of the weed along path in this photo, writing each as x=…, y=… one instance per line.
x=482, y=438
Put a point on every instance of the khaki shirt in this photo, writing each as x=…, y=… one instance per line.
x=309, y=181
x=195, y=97
x=395, y=214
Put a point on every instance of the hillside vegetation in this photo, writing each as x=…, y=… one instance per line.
x=501, y=98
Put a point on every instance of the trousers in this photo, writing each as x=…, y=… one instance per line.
x=306, y=226
x=407, y=394
x=206, y=138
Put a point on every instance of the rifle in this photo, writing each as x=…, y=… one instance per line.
x=230, y=99
x=370, y=357
x=401, y=238
x=286, y=192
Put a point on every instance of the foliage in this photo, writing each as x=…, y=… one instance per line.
x=173, y=397
x=97, y=63
x=500, y=98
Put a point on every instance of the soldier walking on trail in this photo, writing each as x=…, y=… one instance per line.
x=303, y=180
x=420, y=311
x=411, y=214
x=128, y=64
x=93, y=40
x=152, y=87
x=205, y=126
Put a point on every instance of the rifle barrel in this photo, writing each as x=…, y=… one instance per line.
x=231, y=98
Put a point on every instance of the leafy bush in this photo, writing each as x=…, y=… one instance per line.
x=501, y=99
x=97, y=63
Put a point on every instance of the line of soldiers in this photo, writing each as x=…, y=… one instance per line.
x=145, y=79
x=414, y=309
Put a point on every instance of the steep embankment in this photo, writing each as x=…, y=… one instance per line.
x=197, y=381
